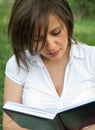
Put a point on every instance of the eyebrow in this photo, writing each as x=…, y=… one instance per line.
x=56, y=28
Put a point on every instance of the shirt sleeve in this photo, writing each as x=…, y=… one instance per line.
x=14, y=72
x=92, y=58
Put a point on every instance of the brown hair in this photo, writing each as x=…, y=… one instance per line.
x=27, y=14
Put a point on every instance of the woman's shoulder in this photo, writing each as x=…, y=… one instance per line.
x=14, y=72
x=86, y=46
x=88, y=50
x=83, y=51
x=11, y=61
x=29, y=57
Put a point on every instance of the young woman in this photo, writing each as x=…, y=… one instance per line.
x=49, y=69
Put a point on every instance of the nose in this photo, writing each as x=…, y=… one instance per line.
x=50, y=43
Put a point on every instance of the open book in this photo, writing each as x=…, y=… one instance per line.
x=72, y=118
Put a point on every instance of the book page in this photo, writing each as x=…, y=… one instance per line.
x=29, y=110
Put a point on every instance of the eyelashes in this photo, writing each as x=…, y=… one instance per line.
x=56, y=33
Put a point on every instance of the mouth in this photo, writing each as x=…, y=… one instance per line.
x=53, y=54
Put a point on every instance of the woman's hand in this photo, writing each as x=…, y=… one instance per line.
x=92, y=127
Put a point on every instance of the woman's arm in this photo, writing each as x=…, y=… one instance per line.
x=12, y=92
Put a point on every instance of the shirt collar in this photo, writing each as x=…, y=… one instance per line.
x=36, y=60
x=77, y=51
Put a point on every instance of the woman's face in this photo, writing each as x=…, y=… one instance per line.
x=56, y=45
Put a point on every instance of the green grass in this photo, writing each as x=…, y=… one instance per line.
x=5, y=51
x=84, y=32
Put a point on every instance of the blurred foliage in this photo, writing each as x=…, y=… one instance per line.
x=5, y=51
x=84, y=31
x=83, y=8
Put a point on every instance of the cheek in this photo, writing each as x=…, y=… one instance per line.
x=63, y=39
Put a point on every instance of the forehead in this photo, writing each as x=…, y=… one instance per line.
x=53, y=22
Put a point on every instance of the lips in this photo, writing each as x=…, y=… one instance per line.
x=53, y=54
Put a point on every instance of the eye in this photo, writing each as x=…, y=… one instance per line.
x=55, y=33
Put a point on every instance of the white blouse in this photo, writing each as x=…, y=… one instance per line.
x=38, y=88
